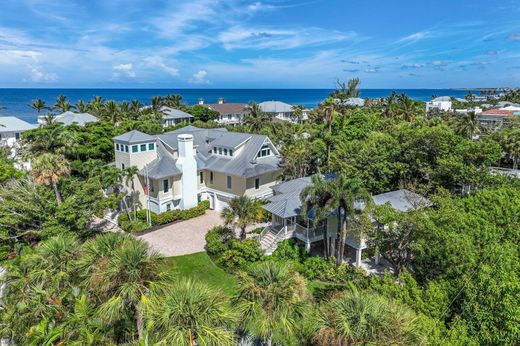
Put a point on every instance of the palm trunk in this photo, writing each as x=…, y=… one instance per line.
x=326, y=243
x=343, y=237
x=56, y=192
x=515, y=162
x=270, y=340
x=338, y=237
x=139, y=321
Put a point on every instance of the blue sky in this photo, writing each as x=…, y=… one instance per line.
x=259, y=44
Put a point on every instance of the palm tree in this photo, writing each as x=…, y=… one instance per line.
x=173, y=101
x=298, y=113
x=405, y=107
x=364, y=318
x=272, y=300
x=328, y=109
x=38, y=105
x=135, y=108
x=467, y=125
x=129, y=173
x=256, y=118
x=62, y=104
x=111, y=111
x=122, y=272
x=190, y=313
x=390, y=105
x=48, y=169
x=241, y=212
x=511, y=143
x=157, y=103
x=338, y=194
x=82, y=107
x=96, y=105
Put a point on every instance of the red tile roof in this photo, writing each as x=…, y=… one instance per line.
x=499, y=112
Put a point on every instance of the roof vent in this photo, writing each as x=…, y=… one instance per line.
x=201, y=101
x=221, y=101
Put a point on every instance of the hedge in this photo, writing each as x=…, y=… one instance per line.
x=160, y=219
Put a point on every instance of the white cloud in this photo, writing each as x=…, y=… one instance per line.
x=38, y=75
x=239, y=37
x=199, y=77
x=415, y=37
x=124, y=69
x=157, y=61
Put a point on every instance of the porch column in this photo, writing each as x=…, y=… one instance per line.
x=358, y=257
x=308, y=246
x=377, y=255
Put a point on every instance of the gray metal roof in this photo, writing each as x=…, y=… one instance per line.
x=286, y=200
x=244, y=164
x=402, y=200
x=172, y=113
x=275, y=107
x=354, y=101
x=163, y=166
x=69, y=118
x=14, y=124
x=134, y=136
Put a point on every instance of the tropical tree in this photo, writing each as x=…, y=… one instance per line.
x=328, y=110
x=38, y=105
x=467, y=125
x=272, y=300
x=48, y=168
x=510, y=141
x=157, y=103
x=122, y=272
x=96, y=105
x=190, y=313
x=82, y=107
x=256, y=119
x=298, y=113
x=53, y=138
x=240, y=212
x=173, y=101
x=111, y=111
x=62, y=104
x=405, y=107
x=364, y=318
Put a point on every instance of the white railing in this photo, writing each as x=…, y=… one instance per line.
x=263, y=233
x=281, y=235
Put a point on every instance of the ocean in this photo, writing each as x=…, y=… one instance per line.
x=17, y=101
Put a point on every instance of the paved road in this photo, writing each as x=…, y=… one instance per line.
x=183, y=238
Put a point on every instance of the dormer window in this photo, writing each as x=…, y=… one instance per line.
x=117, y=146
x=151, y=146
x=220, y=151
x=135, y=148
x=214, y=150
x=230, y=152
x=143, y=147
x=225, y=151
x=264, y=151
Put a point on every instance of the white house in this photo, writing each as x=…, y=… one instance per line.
x=69, y=118
x=172, y=116
x=287, y=222
x=442, y=104
x=11, y=129
x=229, y=113
x=193, y=164
x=282, y=111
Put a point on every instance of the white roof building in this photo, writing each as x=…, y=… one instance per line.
x=69, y=118
x=11, y=129
x=282, y=111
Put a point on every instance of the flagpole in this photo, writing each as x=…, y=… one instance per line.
x=148, y=216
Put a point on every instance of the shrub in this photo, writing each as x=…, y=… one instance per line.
x=218, y=240
x=318, y=268
x=314, y=268
x=241, y=254
x=289, y=250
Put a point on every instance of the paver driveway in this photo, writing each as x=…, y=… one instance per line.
x=183, y=238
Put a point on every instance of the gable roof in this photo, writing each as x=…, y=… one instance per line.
x=275, y=107
x=402, y=200
x=227, y=108
x=244, y=163
x=14, y=124
x=134, y=136
x=173, y=113
x=163, y=166
x=69, y=118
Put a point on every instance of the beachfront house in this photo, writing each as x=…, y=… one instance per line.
x=229, y=113
x=495, y=119
x=282, y=111
x=442, y=104
x=192, y=164
x=287, y=222
x=68, y=118
x=11, y=129
x=172, y=116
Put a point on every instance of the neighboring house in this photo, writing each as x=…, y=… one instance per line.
x=442, y=104
x=282, y=111
x=11, y=129
x=287, y=221
x=172, y=116
x=354, y=102
x=496, y=119
x=193, y=164
x=69, y=118
x=230, y=113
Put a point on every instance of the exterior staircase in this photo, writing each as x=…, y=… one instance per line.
x=270, y=237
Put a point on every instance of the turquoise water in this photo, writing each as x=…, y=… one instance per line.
x=17, y=101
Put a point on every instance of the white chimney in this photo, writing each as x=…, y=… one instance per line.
x=201, y=101
x=221, y=101
x=188, y=166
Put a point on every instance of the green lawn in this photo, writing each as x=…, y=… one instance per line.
x=200, y=267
